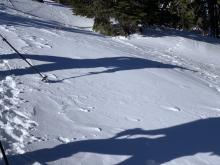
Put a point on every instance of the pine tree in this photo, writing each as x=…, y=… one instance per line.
x=83, y=7
x=208, y=12
x=102, y=14
x=124, y=17
x=201, y=16
x=184, y=13
x=131, y=14
x=213, y=17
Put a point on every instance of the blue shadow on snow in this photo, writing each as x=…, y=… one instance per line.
x=111, y=64
x=201, y=136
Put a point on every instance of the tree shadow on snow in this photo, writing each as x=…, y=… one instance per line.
x=150, y=32
x=110, y=64
x=158, y=146
x=37, y=22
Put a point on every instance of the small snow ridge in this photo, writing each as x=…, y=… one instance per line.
x=14, y=125
x=174, y=109
x=93, y=129
x=88, y=109
x=52, y=76
x=63, y=140
x=133, y=119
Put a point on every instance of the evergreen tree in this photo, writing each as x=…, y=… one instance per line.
x=124, y=17
x=184, y=13
x=102, y=14
x=213, y=17
x=201, y=17
x=83, y=7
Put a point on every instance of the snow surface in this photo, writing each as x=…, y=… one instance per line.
x=146, y=100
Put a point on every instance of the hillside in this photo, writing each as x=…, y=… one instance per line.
x=143, y=100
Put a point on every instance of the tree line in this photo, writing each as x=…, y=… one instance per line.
x=125, y=17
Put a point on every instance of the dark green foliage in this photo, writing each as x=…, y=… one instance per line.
x=83, y=7
x=131, y=14
x=124, y=17
x=184, y=13
x=102, y=16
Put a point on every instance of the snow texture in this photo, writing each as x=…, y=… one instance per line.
x=144, y=100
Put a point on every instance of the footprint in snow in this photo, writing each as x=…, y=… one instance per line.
x=93, y=129
x=174, y=109
x=88, y=109
x=97, y=129
x=34, y=41
x=33, y=139
x=133, y=119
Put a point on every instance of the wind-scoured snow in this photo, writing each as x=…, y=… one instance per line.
x=143, y=100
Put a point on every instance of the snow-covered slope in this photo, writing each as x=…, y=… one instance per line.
x=147, y=100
